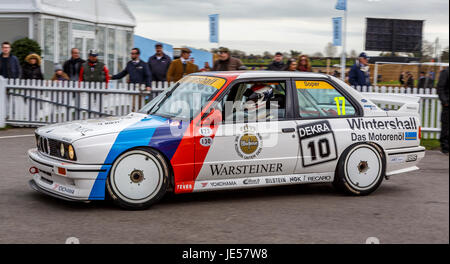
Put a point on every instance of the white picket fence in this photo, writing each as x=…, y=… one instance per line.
x=35, y=103
x=430, y=106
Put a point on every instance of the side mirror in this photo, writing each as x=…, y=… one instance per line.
x=211, y=117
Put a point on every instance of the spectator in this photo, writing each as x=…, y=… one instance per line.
x=432, y=75
x=422, y=82
x=181, y=67
x=409, y=79
x=72, y=66
x=442, y=89
x=59, y=74
x=9, y=64
x=359, y=74
x=159, y=64
x=401, y=78
x=431, y=78
x=336, y=73
x=206, y=67
x=32, y=68
x=303, y=64
x=93, y=70
x=226, y=62
x=138, y=70
x=291, y=65
x=277, y=63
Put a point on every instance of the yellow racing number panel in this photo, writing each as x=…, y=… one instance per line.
x=205, y=80
x=313, y=85
x=309, y=85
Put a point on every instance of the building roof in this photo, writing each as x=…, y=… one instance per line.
x=112, y=12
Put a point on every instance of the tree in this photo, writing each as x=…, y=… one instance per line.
x=267, y=55
x=330, y=50
x=444, y=55
x=427, y=51
x=25, y=46
x=317, y=54
x=295, y=53
x=238, y=54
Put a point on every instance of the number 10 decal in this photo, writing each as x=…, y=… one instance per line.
x=317, y=143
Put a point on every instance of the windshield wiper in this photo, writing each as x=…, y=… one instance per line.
x=158, y=105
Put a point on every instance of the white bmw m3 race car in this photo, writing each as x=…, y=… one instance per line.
x=231, y=130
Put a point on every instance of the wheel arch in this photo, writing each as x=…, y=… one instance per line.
x=166, y=159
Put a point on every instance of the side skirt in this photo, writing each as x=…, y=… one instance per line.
x=263, y=181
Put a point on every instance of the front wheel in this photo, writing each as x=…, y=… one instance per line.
x=360, y=169
x=138, y=179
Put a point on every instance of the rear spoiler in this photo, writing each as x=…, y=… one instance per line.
x=407, y=103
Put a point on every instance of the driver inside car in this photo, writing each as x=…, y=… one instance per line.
x=257, y=102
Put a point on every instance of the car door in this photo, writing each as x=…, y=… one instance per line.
x=321, y=109
x=249, y=144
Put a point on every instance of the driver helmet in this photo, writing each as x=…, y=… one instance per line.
x=257, y=96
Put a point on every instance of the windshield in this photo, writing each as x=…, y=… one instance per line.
x=186, y=98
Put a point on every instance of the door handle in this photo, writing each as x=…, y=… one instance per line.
x=288, y=130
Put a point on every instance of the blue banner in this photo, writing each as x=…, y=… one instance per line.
x=341, y=5
x=337, y=31
x=214, y=28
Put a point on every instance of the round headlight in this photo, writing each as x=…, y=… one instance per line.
x=71, y=152
x=61, y=150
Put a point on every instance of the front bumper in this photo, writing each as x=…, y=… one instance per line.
x=68, y=181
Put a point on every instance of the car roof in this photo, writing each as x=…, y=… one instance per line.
x=263, y=74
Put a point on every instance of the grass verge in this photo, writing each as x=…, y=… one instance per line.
x=431, y=144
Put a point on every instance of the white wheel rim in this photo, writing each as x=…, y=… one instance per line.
x=136, y=176
x=363, y=168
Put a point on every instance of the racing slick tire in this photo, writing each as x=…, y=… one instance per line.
x=138, y=179
x=360, y=170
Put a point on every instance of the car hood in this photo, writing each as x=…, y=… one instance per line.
x=72, y=131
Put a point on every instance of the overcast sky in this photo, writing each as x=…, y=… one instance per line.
x=255, y=26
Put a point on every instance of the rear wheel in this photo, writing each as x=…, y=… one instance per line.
x=360, y=169
x=138, y=179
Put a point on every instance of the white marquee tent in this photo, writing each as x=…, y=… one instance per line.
x=59, y=25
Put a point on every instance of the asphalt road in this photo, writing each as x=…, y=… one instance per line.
x=409, y=208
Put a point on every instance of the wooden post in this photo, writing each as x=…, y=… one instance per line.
x=328, y=65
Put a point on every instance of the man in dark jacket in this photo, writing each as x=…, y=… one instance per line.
x=409, y=80
x=159, y=64
x=137, y=70
x=443, y=89
x=72, y=67
x=277, y=63
x=9, y=64
x=359, y=74
x=422, y=82
x=94, y=70
x=226, y=62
